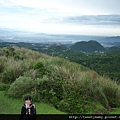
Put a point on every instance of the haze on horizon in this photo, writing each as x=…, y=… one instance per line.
x=82, y=17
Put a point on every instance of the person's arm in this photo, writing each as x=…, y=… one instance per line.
x=23, y=111
x=33, y=112
x=33, y=109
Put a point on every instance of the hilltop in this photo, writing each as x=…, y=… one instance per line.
x=68, y=86
x=90, y=46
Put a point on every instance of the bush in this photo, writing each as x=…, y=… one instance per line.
x=49, y=91
x=40, y=67
x=21, y=86
x=75, y=98
x=79, y=96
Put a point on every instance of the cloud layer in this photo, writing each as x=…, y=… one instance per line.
x=94, y=20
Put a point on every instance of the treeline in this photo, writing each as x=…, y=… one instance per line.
x=106, y=65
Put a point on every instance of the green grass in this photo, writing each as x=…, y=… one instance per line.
x=13, y=106
x=115, y=111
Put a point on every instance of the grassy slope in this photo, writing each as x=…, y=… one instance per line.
x=13, y=106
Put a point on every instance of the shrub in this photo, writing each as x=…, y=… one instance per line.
x=21, y=86
x=40, y=67
x=79, y=96
x=49, y=91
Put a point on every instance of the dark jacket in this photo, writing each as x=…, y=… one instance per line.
x=31, y=112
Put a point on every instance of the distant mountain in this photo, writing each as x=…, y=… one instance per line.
x=111, y=39
x=114, y=49
x=90, y=46
x=114, y=37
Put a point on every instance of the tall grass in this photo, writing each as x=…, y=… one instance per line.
x=11, y=68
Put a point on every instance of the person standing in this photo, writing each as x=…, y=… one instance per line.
x=28, y=110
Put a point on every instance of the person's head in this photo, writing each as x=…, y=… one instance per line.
x=28, y=100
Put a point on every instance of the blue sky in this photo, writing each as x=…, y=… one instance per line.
x=83, y=17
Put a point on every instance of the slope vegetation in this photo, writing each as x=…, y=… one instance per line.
x=69, y=87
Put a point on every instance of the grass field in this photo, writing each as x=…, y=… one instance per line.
x=13, y=106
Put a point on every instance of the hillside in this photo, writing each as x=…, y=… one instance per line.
x=90, y=46
x=68, y=86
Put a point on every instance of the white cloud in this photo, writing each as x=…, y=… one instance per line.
x=65, y=7
x=49, y=16
x=37, y=4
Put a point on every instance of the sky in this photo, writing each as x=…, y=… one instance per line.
x=81, y=17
